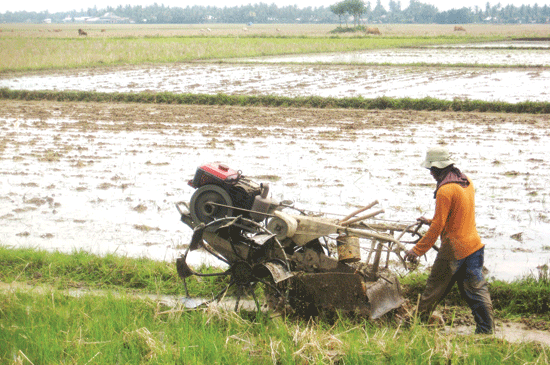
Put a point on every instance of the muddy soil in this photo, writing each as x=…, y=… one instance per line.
x=105, y=177
x=215, y=116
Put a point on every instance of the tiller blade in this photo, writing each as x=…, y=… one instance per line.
x=184, y=271
x=384, y=295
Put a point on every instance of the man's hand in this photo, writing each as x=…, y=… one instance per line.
x=424, y=220
x=411, y=256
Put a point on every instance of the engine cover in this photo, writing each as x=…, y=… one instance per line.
x=213, y=174
x=241, y=190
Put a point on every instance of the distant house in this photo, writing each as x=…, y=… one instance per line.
x=76, y=19
x=107, y=18
x=47, y=21
x=113, y=19
x=94, y=19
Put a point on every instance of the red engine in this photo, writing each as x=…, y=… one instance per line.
x=213, y=174
x=221, y=191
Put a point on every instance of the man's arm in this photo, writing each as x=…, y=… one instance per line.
x=410, y=255
x=442, y=209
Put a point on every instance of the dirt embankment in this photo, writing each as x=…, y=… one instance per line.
x=153, y=116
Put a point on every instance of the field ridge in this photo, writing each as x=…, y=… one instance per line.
x=427, y=103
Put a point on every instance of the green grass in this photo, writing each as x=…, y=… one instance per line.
x=28, y=53
x=430, y=104
x=83, y=270
x=527, y=296
x=53, y=328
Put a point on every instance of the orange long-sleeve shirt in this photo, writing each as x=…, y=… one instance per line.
x=454, y=220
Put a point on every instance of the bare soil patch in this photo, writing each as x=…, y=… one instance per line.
x=146, y=117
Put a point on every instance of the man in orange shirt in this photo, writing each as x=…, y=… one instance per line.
x=460, y=257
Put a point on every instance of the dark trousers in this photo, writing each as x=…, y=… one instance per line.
x=468, y=274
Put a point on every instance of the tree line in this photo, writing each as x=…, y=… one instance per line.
x=418, y=12
x=356, y=12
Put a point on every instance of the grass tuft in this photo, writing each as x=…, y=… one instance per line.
x=428, y=103
x=82, y=269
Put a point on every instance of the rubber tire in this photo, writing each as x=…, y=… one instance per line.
x=201, y=212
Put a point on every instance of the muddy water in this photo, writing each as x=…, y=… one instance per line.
x=510, y=85
x=509, y=54
x=105, y=177
x=540, y=45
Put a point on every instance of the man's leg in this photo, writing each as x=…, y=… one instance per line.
x=439, y=282
x=475, y=291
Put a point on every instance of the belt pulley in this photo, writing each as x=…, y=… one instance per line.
x=201, y=209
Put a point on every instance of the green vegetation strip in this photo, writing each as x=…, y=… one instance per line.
x=84, y=270
x=80, y=269
x=51, y=327
x=429, y=104
x=26, y=54
x=528, y=296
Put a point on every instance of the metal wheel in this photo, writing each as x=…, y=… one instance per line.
x=201, y=209
x=253, y=254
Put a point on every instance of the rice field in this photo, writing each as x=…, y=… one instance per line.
x=104, y=177
x=55, y=46
x=273, y=30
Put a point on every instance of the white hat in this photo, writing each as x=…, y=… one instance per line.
x=437, y=157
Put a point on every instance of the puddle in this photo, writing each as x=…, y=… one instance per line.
x=509, y=331
x=478, y=54
x=228, y=303
x=112, y=186
x=502, y=44
x=509, y=85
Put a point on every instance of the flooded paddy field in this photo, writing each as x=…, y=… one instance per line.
x=498, y=84
x=106, y=177
x=495, y=53
x=539, y=44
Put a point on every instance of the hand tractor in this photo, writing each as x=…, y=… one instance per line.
x=307, y=263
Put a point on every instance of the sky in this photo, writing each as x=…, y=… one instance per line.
x=68, y=5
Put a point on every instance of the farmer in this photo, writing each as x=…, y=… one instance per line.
x=460, y=257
